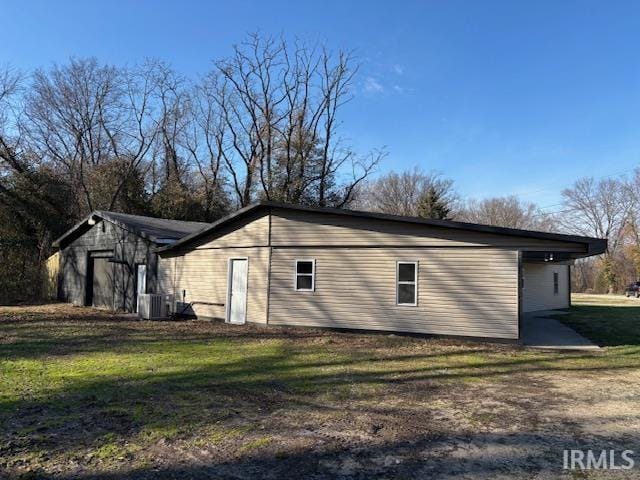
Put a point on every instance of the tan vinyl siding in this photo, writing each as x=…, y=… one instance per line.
x=295, y=228
x=251, y=232
x=202, y=272
x=203, y=276
x=461, y=291
x=538, y=287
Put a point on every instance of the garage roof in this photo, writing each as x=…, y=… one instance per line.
x=157, y=230
x=594, y=246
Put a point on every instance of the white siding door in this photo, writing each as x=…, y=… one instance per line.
x=539, y=293
x=237, y=291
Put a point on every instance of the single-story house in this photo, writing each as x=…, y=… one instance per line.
x=108, y=258
x=279, y=264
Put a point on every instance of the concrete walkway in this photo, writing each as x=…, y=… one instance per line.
x=540, y=331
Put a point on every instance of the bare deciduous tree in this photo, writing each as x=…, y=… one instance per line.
x=631, y=190
x=508, y=212
x=144, y=139
x=599, y=209
x=10, y=82
x=204, y=141
x=279, y=133
x=84, y=114
x=400, y=193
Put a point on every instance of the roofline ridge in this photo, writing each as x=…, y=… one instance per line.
x=591, y=242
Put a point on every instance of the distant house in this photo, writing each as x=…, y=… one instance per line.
x=108, y=258
x=279, y=264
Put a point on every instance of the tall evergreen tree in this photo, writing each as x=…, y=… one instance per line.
x=431, y=204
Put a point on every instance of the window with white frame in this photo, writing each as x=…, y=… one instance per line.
x=407, y=283
x=305, y=275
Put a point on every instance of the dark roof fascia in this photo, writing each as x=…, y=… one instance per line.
x=594, y=245
x=125, y=226
x=56, y=243
x=105, y=216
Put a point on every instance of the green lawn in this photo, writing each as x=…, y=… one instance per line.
x=91, y=395
x=608, y=320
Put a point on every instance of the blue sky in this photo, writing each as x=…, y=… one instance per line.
x=504, y=97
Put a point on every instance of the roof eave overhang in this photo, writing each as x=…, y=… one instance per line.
x=593, y=246
x=98, y=214
x=597, y=246
x=78, y=226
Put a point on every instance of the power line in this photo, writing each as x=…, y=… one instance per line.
x=557, y=212
x=549, y=206
x=543, y=214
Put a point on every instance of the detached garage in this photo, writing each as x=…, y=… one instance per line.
x=107, y=259
x=281, y=264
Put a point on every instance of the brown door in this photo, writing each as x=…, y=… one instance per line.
x=102, y=283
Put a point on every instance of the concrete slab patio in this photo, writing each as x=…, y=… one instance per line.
x=542, y=331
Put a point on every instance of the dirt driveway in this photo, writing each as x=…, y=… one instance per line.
x=85, y=394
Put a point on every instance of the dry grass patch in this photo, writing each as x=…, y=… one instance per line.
x=87, y=394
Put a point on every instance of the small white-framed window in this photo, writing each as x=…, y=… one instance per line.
x=305, y=275
x=407, y=283
x=556, y=283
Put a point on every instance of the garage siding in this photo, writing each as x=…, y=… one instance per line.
x=74, y=258
x=461, y=291
x=127, y=250
x=538, y=292
x=202, y=275
x=103, y=283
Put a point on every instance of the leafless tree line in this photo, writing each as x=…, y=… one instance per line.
x=401, y=194
x=264, y=123
x=606, y=208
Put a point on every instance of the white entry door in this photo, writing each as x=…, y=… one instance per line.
x=237, y=291
x=141, y=283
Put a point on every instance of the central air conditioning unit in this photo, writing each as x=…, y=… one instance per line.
x=153, y=306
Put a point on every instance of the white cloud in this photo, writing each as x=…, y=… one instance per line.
x=371, y=85
x=398, y=89
x=399, y=69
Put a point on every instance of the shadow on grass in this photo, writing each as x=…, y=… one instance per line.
x=43, y=334
x=256, y=374
x=479, y=455
x=246, y=388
